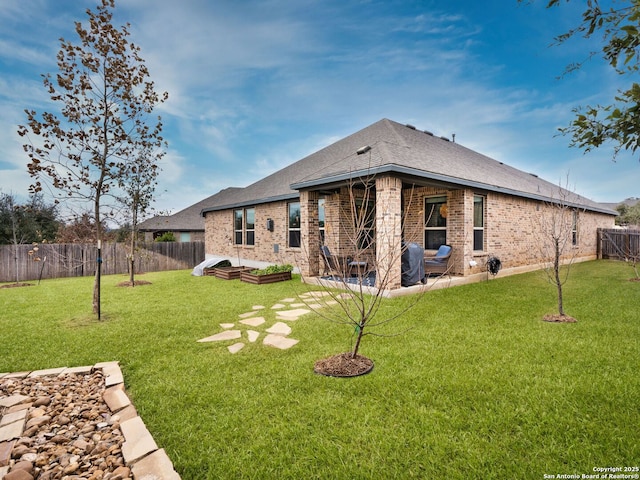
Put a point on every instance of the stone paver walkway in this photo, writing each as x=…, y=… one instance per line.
x=141, y=454
x=276, y=335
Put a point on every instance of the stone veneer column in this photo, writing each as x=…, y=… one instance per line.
x=389, y=231
x=309, y=261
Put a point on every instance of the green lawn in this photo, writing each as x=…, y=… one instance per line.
x=477, y=386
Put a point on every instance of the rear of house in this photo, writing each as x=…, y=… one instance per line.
x=411, y=186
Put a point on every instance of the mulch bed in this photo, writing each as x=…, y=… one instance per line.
x=135, y=283
x=557, y=318
x=343, y=365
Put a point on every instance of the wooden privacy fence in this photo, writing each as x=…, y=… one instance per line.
x=77, y=260
x=618, y=244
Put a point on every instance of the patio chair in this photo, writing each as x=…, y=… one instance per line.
x=342, y=266
x=439, y=263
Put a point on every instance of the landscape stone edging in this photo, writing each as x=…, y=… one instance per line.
x=141, y=454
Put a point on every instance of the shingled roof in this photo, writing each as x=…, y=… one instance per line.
x=418, y=157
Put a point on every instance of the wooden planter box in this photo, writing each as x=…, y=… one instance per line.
x=229, y=273
x=262, y=279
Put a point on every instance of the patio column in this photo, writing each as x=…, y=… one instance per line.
x=309, y=262
x=388, y=232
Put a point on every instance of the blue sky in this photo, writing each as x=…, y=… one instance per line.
x=256, y=85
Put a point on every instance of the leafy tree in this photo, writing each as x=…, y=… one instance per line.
x=138, y=195
x=33, y=221
x=629, y=215
x=617, y=25
x=106, y=99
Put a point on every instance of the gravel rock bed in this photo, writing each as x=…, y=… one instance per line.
x=69, y=431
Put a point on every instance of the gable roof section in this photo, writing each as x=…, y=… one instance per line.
x=417, y=156
x=187, y=220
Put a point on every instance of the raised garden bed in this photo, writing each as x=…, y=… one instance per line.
x=272, y=274
x=229, y=273
x=266, y=278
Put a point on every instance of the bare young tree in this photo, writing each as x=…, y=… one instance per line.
x=558, y=237
x=372, y=234
x=106, y=100
x=138, y=190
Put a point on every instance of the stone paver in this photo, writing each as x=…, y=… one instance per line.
x=13, y=400
x=253, y=322
x=293, y=314
x=8, y=418
x=50, y=371
x=288, y=310
x=115, y=398
x=279, y=341
x=236, y=347
x=155, y=466
x=138, y=442
x=226, y=335
x=252, y=335
x=280, y=329
x=11, y=431
x=140, y=451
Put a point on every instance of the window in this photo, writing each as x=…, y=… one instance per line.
x=321, y=213
x=294, y=224
x=237, y=227
x=250, y=226
x=435, y=222
x=185, y=236
x=478, y=223
x=574, y=229
x=244, y=226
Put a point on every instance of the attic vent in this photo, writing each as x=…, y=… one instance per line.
x=428, y=132
x=533, y=175
x=445, y=139
x=410, y=126
x=363, y=150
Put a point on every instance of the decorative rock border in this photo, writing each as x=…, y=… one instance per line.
x=143, y=460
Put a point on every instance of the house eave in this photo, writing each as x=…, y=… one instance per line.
x=420, y=176
x=248, y=203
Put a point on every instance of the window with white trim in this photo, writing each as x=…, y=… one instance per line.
x=574, y=228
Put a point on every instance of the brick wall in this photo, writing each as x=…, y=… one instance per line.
x=511, y=229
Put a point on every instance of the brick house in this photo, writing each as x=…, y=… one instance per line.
x=417, y=187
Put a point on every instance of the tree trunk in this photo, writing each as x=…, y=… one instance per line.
x=356, y=347
x=558, y=280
